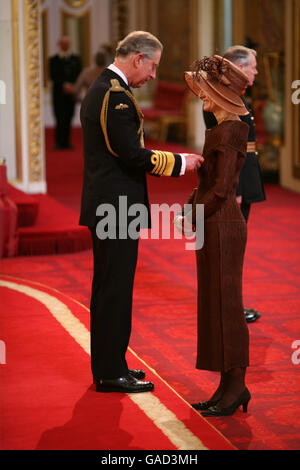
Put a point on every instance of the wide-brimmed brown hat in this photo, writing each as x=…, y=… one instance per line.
x=221, y=80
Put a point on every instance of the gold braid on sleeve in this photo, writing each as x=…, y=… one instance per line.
x=163, y=163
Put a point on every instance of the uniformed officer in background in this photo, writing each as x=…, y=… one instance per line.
x=64, y=68
x=115, y=164
x=250, y=188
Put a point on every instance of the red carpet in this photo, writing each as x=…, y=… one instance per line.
x=164, y=335
x=64, y=170
x=47, y=403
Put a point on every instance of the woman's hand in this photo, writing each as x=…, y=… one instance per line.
x=184, y=226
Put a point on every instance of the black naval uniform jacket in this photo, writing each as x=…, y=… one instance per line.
x=115, y=160
x=250, y=185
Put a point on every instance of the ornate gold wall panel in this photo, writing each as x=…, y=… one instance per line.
x=296, y=76
x=218, y=27
x=33, y=86
x=260, y=24
x=175, y=32
x=119, y=19
x=76, y=3
x=238, y=21
x=45, y=47
x=17, y=93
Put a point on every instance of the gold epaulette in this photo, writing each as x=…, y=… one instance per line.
x=116, y=87
x=163, y=163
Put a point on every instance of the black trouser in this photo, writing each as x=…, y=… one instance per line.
x=111, y=304
x=245, y=208
x=64, y=107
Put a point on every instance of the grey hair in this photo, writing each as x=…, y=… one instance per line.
x=239, y=54
x=139, y=42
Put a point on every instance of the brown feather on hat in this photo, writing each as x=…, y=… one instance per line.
x=221, y=80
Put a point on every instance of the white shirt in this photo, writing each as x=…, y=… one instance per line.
x=121, y=74
x=118, y=72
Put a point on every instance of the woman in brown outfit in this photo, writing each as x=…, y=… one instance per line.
x=223, y=337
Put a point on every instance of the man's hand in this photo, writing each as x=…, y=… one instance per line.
x=193, y=161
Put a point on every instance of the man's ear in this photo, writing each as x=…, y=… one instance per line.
x=137, y=60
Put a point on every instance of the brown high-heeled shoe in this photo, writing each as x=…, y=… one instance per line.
x=204, y=405
x=216, y=410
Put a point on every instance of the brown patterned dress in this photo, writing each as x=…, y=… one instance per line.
x=223, y=337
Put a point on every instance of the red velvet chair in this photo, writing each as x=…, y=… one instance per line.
x=168, y=108
x=8, y=218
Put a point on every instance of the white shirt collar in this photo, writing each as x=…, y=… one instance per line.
x=118, y=72
x=64, y=54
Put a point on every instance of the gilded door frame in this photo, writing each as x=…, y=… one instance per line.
x=296, y=76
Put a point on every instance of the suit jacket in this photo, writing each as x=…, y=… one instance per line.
x=250, y=185
x=115, y=161
x=64, y=70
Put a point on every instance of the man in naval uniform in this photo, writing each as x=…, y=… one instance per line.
x=115, y=164
x=250, y=188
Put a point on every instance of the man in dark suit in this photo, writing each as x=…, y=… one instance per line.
x=250, y=189
x=115, y=166
x=64, y=68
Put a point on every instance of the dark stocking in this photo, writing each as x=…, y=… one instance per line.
x=234, y=385
x=219, y=392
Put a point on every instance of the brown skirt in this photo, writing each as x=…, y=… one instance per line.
x=223, y=336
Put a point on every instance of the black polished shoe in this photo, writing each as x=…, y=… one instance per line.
x=137, y=373
x=215, y=411
x=127, y=384
x=204, y=405
x=251, y=315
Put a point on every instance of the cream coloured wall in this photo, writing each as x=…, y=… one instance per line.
x=22, y=138
x=100, y=32
x=287, y=179
x=204, y=39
